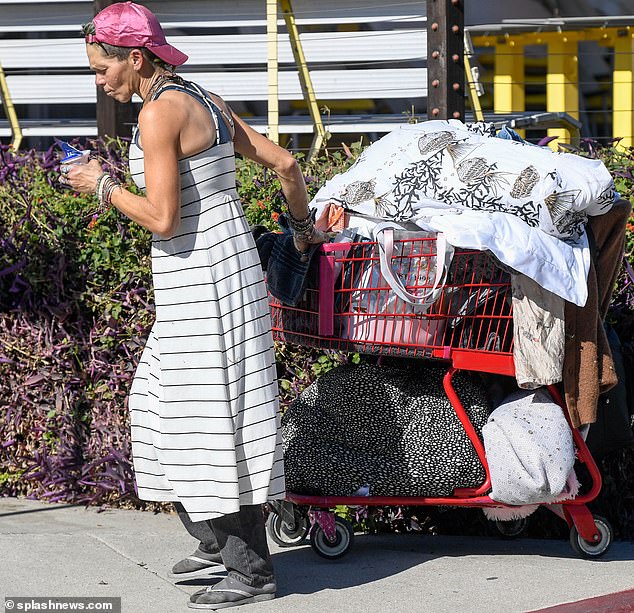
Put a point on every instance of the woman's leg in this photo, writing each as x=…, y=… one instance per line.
x=207, y=555
x=242, y=541
x=241, y=538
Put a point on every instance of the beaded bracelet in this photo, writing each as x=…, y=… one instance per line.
x=295, y=220
x=104, y=189
x=305, y=235
x=303, y=229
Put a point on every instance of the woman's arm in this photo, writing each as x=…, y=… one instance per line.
x=159, y=209
x=253, y=145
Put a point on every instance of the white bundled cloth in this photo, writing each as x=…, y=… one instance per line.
x=483, y=193
x=530, y=450
x=558, y=266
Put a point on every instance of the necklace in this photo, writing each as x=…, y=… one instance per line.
x=165, y=77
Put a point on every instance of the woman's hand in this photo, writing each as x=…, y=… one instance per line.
x=317, y=237
x=81, y=177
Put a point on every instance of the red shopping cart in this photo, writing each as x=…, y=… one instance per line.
x=467, y=327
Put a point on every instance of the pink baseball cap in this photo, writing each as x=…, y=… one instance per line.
x=126, y=24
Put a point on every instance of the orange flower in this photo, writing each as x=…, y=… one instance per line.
x=275, y=216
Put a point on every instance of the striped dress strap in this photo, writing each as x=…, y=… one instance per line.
x=224, y=129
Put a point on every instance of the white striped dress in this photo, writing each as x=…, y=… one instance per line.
x=204, y=401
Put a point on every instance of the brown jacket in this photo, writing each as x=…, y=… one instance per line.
x=588, y=366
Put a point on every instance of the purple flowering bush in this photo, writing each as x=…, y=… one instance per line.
x=75, y=307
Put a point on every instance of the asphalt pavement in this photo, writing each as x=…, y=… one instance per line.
x=57, y=550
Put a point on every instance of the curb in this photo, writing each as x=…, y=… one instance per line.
x=619, y=602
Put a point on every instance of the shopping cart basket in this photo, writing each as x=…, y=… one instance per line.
x=469, y=327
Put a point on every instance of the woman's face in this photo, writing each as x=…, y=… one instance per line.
x=114, y=76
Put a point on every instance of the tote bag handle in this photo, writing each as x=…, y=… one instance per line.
x=384, y=236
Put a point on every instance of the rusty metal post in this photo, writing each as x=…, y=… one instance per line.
x=114, y=118
x=445, y=61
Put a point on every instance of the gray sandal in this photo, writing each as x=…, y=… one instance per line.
x=230, y=593
x=196, y=565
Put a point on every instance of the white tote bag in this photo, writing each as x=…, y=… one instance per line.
x=418, y=265
x=392, y=296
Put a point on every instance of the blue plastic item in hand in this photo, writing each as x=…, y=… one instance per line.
x=71, y=154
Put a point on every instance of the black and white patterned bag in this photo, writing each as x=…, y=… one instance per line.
x=382, y=430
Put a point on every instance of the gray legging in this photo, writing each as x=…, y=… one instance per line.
x=239, y=538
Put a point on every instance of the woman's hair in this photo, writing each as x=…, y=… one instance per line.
x=122, y=53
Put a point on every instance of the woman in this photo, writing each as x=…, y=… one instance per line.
x=204, y=408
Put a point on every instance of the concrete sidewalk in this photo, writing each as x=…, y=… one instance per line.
x=61, y=550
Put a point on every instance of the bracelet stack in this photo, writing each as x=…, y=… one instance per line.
x=303, y=229
x=106, y=185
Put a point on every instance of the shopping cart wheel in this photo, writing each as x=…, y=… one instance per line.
x=590, y=549
x=512, y=528
x=281, y=533
x=331, y=550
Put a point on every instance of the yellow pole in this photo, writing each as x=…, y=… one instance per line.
x=509, y=78
x=5, y=98
x=623, y=90
x=304, y=78
x=273, y=130
x=562, y=82
x=474, y=87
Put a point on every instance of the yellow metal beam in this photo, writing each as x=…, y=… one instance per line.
x=562, y=83
x=509, y=78
x=474, y=87
x=543, y=38
x=623, y=89
x=273, y=131
x=5, y=98
x=304, y=78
